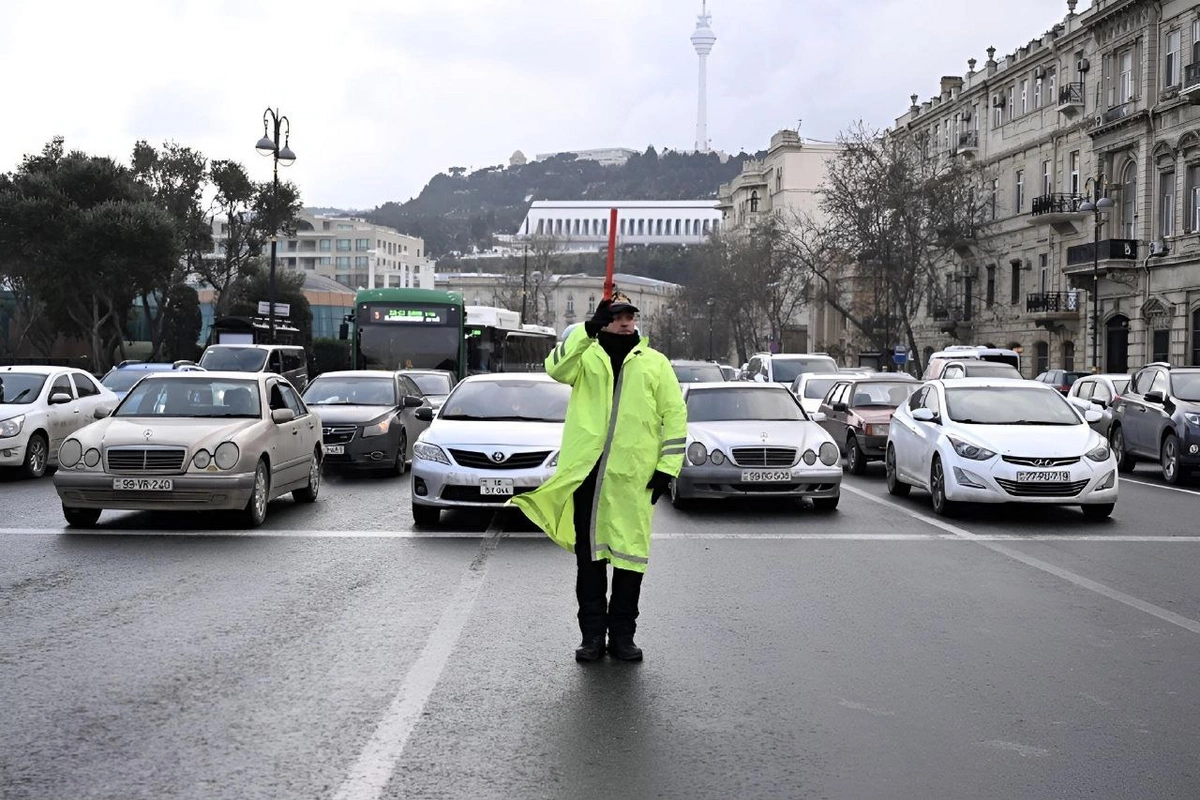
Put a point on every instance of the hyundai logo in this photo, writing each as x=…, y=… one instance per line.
x=1043, y=462
x=498, y=457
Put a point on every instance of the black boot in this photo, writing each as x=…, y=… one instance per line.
x=623, y=614
x=623, y=649
x=592, y=649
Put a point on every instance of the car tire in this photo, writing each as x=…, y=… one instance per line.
x=1173, y=471
x=309, y=493
x=826, y=504
x=677, y=500
x=426, y=516
x=37, y=455
x=942, y=505
x=1098, y=511
x=1116, y=440
x=81, y=517
x=895, y=486
x=401, y=465
x=255, y=512
x=856, y=462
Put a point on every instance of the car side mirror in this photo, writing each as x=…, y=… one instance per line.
x=59, y=398
x=282, y=415
x=411, y=401
x=924, y=415
x=818, y=416
x=1099, y=402
x=424, y=413
x=101, y=412
x=1151, y=397
x=840, y=407
x=1093, y=415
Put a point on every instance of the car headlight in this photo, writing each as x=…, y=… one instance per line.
x=70, y=453
x=429, y=452
x=717, y=457
x=378, y=429
x=553, y=461
x=697, y=453
x=1101, y=453
x=972, y=451
x=227, y=455
x=1192, y=419
x=877, y=428
x=91, y=458
x=202, y=459
x=830, y=454
x=11, y=426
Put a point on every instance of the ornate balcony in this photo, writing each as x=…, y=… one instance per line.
x=1108, y=255
x=1070, y=99
x=1191, y=83
x=968, y=143
x=1058, y=210
x=1054, y=305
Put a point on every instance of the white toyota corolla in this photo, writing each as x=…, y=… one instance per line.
x=980, y=440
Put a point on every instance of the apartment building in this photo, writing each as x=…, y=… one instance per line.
x=1088, y=254
x=356, y=253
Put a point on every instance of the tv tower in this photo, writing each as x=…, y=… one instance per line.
x=703, y=40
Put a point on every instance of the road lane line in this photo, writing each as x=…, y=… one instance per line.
x=1160, y=486
x=1085, y=583
x=377, y=763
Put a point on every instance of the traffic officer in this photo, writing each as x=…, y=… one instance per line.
x=622, y=444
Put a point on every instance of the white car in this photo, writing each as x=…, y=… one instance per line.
x=810, y=388
x=42, y=406
x=989, y=440
x=496, y=435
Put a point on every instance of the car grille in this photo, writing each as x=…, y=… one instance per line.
x=145, y=459
x=477, y=460
x=1042, y=489
x=764, y=456
x=338, y=434
x=470, y=494
x=1041, y=462
x=165, y=499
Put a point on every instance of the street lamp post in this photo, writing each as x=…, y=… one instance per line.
x=525, y=283
x=1098, y=206
x=710, y=303
x=269, y=146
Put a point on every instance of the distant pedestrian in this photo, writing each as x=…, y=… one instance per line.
x=623, y=443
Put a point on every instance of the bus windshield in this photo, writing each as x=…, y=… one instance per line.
x=409, y=335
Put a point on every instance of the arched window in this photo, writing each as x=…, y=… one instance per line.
x=1068, y=356
x=1041, y=357
x=677, y=224
x=706, y=230
x=1129, y=202
x=753, y=202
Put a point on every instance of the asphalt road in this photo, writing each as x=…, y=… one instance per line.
x=876, y=652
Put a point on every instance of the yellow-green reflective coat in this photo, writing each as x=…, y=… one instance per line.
x=643, y=427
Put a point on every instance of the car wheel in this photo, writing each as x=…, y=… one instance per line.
x=1168, y=459
x=677, y=500
x=826, y=503
x=426, y=516
x=856, y=462
x=401, y=465
x=1125, y=462
x=1098, y=511
x=942, y=506
x=895, y=486
x=36, y=454
x=309, y=493
x=256, y=507
x=81, y=517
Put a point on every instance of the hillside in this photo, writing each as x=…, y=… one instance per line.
x=456, y=210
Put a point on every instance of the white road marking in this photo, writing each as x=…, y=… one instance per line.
x=377, y=763
x=1080, y=581
x=1160, y=486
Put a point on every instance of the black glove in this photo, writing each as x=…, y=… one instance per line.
x=601, y=319
x=659, y=483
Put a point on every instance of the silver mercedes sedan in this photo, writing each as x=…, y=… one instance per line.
x=194, y=441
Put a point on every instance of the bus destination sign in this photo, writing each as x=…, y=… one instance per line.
x=408, y=315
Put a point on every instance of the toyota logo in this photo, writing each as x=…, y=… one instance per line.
x=498, y=457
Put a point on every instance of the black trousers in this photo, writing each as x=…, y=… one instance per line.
x=597, y=613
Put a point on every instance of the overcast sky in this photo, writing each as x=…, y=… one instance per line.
x=383, y=94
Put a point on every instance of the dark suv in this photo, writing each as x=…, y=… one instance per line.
x=1158, y=418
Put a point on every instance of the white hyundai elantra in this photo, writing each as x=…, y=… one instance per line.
x=981, y=440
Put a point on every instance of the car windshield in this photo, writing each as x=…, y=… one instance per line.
x=710, y=405
x=430, y=383
x=20, y=388
x=234, y=359
x=786, y=369
x=343, y=391
x=817, y=388
x=1120, y=385
x=121, y=380
x=1004, y=405
x=1186, y=385
x=881, y=394
x=990, y=369
x=516, y=400
x=697, y=373
x=197, y=397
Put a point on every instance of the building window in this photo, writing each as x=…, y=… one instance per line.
x=1126, y=60
x=342, y=262
x=1129, y=202
x=990, y=296
x=1015, y=266
x=570, y=305
x=997, y=115
x=1019, y=193
x=1037, y=93
x=754, y=202
x=1051, y=84
x=361, y=261
x=1171, y=71
x=325, y=245
x=1041, y=357
x=1068, y=358
x=362, y=245
x=1166, y=204
x=1043, y=273
x=1193, y=198
x=1196, y=338
x=1074, y=172
x=324, y=261
x=1025, y=96
x=995, y=192
x=1047, y=185
x=1011, y=105
x=343, y=245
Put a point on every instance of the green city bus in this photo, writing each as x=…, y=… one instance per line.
x=408, y=329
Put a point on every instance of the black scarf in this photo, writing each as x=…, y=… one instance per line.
x=617, y=345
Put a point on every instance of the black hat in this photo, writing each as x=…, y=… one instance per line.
x=620, y=304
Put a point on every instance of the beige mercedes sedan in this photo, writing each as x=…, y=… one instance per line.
x=194, y=441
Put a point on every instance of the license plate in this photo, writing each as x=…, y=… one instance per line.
x=143, y=484
x=1042, y=477
x=491, y=486
x=335, y=449
x=766, y=475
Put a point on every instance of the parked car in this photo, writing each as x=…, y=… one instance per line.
x=754, y=441
x=810, y=388
x=194, y=441
x=998, y=355
x=784, y=367
x=121, y=378
x=998, y=441
x=696, y=371
x=435, y=385
x=1158, y=419
x=497, y=435
x=42, y=406
x=858, y=413
x=1061, y=379
x=290, y=361
x=1099, y=391
x=731, y=373
x=977, y=369
x=367, y=418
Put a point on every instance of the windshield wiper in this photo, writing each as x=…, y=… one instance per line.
x=462, y=416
